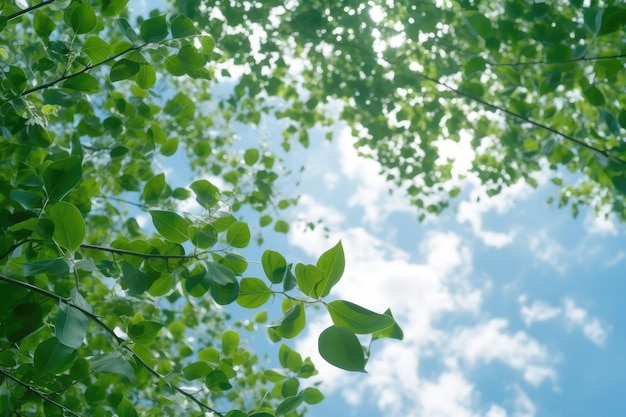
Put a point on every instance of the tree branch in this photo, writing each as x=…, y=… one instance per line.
x=12, y=248
x=109, y=330
x=561, y=62
x=39, y=393
x=138, y=254
x=30, y=9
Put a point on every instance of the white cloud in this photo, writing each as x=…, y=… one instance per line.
x=537, y=311
x=590, y=326
x=380, y=275
x=480, y=204
x=599, y=224
x=548, y=251
x=523, y=405
x=493, y=342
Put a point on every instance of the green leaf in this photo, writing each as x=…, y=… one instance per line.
x=61, y=177
x=356, y=318
x=253, y=293
x=55, y=267
x=480, y=24
x=251, y=156
x=145, y=79
x=71, y=326
x=274, y=266
x=238, y=235
x=154, y=188
x=83, y=19
x=613, y=19
x=52, y=357
x=124, y=69
x=134, y=279
x=126, y=409
x=594, y=96
x=196, y=370
x=341, y=348
x=96, y=48
x=170, y=225
x=281, y=226
x=289, y=405
x=191, y=59
x=476, y=64
x=236, y=413
x=559, y=53
x=82, y=82
x=69, y=226
x=144, y=331
x=112, y=363
x=217, y=381
x=224, y=287
x=291, y=323
x=308, y=277
x=312, y=395
x=332, y=264
x=393, y=332
x=207, y=194
x=230, y=342
x=154, y=29
x=289, y=358
x=42, y=24
x=203, y=237
x=182, y=26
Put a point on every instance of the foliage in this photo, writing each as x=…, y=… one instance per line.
x=100, y=316
x=535, y=87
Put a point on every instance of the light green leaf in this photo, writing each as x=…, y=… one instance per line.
x=96, y=48
x=82, y=82
x=83, y=18
x=69, y=226
x=207, y=194
x=126, y=409
x=480, y=24
x=203, y=237
x=196, y=370
x=308, y=277
x=356, y=318
x=170, y=225
x=238, y=235
x=144, y=331
x=251, y=156
x=332, y=264
x=312, y=395
x=289, y=405
x=253, y=293
x=230, y=342
x=42, y=24
x=217, y=381
x=393, y=332
x=281, y=226
x=61, y=177
x=341, y=348
x=289, y=358
x=71, y=326
x=291, y=323
x=274, y=266
x=145, y=78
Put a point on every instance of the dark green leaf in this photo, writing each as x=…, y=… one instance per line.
x=217, y=381
x=356, y=318
x=207, y=194
x=594, y=95
x=82, y=82
x=292, y=322
x=393, y=332
x=613, y=19
x=289, y=358
x=289, y=405
x=124, y=69
x=154, y=29
x=341, y=348
x=112, y=363
x=52, y=357
x=71, y=326
x=144, y=331
x=182, y=26
x=61, y=177
x=42, y=24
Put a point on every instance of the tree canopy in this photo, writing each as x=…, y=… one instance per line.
x=101, y=316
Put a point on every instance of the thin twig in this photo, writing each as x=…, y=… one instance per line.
x=30, y=9
x=560, y=62
x=138, y=254
x=109, y=330
x=39, y=393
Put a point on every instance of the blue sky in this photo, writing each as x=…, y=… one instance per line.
x=510, y=307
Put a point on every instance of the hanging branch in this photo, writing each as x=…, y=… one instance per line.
x=30, y=9
x=119, y=340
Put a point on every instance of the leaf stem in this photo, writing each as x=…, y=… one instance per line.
x=139, y=254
